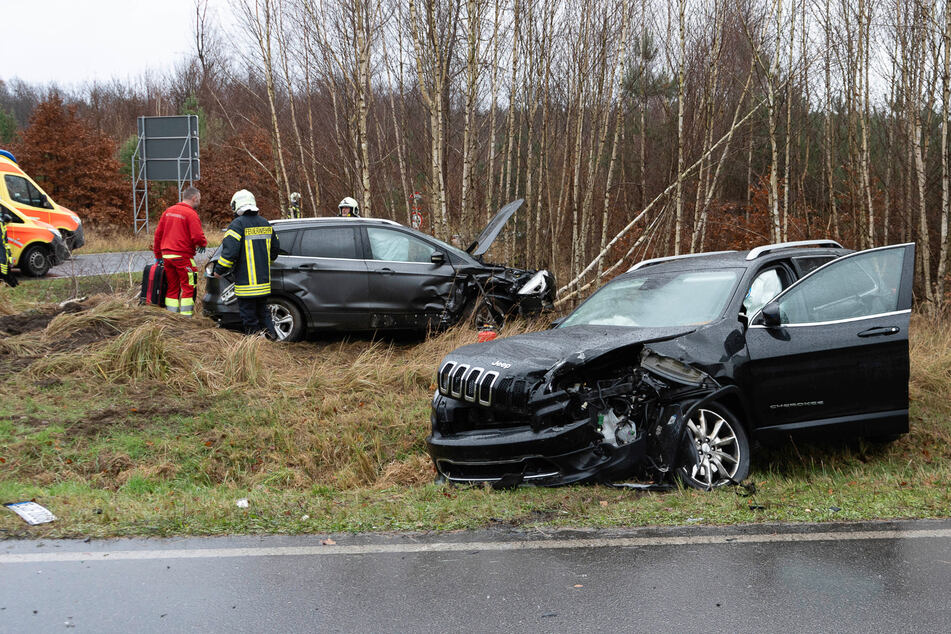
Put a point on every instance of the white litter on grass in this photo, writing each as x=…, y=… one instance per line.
x=242, y=503
x=31, y=512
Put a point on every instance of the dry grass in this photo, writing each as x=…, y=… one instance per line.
x=346, y=414
x=123, y=241
x=129, y=399
x=930, y=383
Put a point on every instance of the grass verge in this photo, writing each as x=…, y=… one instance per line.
x=126, y=420
x=123, y=241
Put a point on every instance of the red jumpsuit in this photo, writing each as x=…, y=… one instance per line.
x=177, y=236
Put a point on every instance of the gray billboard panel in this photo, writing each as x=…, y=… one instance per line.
x=168, y=127
x=164, y=142
x=171, y=170
x=170, y=148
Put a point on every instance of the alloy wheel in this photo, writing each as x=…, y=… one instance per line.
x=283, y=321
x=718, y=449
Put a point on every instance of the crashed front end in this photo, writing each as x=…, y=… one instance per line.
x=499, y=293
x=578, y=420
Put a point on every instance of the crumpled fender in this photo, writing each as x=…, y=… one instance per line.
x=671, y=425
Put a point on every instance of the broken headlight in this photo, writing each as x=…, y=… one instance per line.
x=670, y=368
x=536, y=285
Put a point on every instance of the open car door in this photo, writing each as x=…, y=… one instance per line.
x=831, y=351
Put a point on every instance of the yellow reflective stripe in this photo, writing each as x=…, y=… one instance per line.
x=187, y=302
x=249, y=257
x=170, y=256
x=225, y=262
x=234, y=234
x=245, y=292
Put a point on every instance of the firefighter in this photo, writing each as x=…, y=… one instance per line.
x=6, y=255
x=248, y=248
x=178, y=237
x=294, y=212
x=348, y=208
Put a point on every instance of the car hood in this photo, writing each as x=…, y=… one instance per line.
x=492, y=230
x=558, y=350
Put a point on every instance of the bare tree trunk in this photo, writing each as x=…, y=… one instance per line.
x=260, y=20
x=397, y=128
x=362, y=21
x=945, y=176
x=283, y=46
x=789, y=99
x=679, y=197
x=473, y=23
x=490, y=174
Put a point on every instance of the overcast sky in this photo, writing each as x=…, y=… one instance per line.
x=73, y=41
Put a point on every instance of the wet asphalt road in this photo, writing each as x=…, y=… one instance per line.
x=108, y=263
x=842, y=578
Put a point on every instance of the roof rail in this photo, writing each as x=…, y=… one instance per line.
x=768, y=248
x=644, y=263
x=385, y=221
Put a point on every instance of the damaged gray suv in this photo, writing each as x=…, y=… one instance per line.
x=370, y=274
x=671, y=369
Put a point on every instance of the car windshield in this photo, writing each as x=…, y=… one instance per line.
x=679, y=298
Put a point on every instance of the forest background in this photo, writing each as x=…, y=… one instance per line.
x=632, y=129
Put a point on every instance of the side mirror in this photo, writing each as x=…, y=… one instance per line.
x=438, y=257
x=771, y=317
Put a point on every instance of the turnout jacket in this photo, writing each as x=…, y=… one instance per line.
x=248, y=248
x=178, y=232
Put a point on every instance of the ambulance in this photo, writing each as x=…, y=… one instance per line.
x=36, y=246
x=21, y=192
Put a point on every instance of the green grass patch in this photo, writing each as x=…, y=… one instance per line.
x=126, y=420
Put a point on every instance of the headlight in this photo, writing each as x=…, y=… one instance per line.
x=536, y=285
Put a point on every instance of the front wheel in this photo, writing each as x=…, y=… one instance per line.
x=287, y=318
x=34, y=261
x=716, y=451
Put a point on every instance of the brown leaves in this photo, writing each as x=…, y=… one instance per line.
x=75, y=163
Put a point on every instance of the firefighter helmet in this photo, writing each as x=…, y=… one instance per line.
x=351, y=205
x=243, y=201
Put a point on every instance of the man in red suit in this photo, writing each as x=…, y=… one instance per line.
x=178, y=237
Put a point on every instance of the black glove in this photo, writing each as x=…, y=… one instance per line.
x=10, y=279
x=200, y=250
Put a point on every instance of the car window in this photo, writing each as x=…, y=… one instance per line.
x=10, y=217
x=286, y=242
x=330, y=242
x=23, y=191
x=860, y=286
x=678, y=298
x=809, y=263
x=764, y=287
x=396, y=246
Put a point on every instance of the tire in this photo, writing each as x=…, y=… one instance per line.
x=34, y=261
x=723, y=447
x=287, y=318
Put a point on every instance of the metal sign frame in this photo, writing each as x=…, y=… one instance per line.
x=167, y=151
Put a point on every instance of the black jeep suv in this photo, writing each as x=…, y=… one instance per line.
x=671, y=367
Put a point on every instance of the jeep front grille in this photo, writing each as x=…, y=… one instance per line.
x=464, y=382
